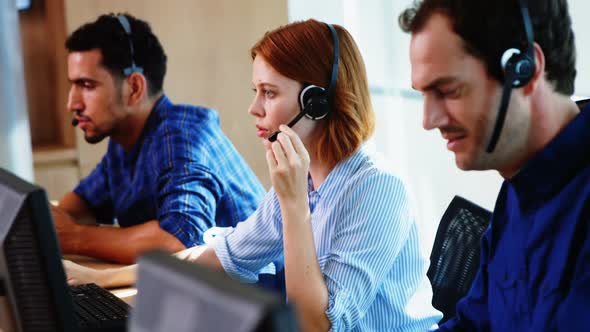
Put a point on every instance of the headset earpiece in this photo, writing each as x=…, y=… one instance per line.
x=314, y=102
x=518, y=67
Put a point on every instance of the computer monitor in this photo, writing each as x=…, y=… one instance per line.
x=31, y=269
x=174, y=295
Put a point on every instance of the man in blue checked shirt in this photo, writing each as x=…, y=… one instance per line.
x=169, y=173
x=477, y=64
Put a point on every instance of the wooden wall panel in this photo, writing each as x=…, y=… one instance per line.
x=43, y=35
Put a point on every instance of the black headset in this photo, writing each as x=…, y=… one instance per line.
x=314, y=101
x=519, y=67
x=127, y=27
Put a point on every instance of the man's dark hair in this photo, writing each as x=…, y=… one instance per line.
x=107, y=35
x=488, y=28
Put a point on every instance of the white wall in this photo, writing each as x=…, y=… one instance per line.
x=579, y=10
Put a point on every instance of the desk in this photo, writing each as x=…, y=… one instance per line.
x=127, y=294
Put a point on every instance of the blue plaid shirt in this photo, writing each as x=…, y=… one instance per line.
x=183, y=171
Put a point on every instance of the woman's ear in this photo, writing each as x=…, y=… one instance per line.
x=539, y=70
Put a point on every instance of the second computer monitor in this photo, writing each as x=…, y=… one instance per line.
x=174, y=295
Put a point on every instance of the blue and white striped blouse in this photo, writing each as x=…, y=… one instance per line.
x=367, y=244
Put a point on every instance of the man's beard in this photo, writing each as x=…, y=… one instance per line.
x=94, y=139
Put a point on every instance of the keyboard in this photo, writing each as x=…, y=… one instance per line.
x=97, y=309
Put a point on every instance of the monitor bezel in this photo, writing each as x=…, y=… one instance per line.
x=277, y=315
x=24, y=195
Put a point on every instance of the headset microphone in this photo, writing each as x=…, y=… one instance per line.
x=74, y=122
x=291, y=123
x=313, y=104
x=519, y=68
x=314, y=101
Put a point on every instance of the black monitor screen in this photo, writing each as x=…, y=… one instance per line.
x=31, y=271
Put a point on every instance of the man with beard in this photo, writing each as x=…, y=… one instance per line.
x=497, y=77
x=169, y=173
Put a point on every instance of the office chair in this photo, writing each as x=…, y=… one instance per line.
x=582, y=103
x=454, y=260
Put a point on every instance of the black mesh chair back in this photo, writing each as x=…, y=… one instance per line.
x=454, y=260
x=582, y=103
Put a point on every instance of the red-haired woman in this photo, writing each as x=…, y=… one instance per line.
x=341, y=227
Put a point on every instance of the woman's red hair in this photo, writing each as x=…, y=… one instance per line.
x=304, y=52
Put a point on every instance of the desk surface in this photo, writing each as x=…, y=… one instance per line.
x=126, y=294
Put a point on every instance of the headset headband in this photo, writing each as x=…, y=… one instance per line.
x=334, y=77
x=528, y=26
x=518, y=67
x=127, y=27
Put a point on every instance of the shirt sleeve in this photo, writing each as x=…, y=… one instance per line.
x=188, y=190
x=472, y=310
x=187, y=201
x=374, y=225
x=95, y=190
x=253, y=243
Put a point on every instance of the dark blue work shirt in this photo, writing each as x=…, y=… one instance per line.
x=183, y=172
x=535, y=259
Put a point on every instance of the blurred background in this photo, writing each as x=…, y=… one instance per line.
x=207, y=43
